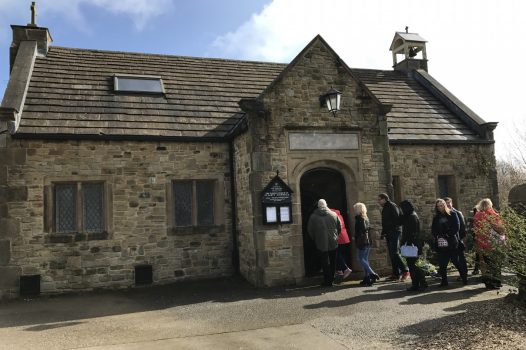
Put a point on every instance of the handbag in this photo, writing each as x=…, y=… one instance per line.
x=497, y=238
x=442, y=242
x=409, y=251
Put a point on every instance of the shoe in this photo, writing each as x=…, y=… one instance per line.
x=464, y=280
x=346, y=273
x=413, y=289
x=393, y=278
x=444, y=284
x=423, y=286
x=326, y=285
x=491, y=286
x=405, y=276
x=366, y=282
x=374, y=277
x=475, y=272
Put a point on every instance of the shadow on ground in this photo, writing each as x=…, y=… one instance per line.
x=495, y=323
x=60, y=310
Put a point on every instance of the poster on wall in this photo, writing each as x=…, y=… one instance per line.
x=276, y=202
x=272, y=215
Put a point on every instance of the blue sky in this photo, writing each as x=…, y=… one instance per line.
x=476, y=48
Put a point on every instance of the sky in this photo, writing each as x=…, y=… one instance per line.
x=476, y=48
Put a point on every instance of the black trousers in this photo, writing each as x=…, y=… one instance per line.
x=492, y=274
x=328, y=265
x=418, y=276
x=447, y=255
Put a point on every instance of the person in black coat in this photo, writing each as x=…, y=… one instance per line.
x=411, y=236
x=391, y=231
x=445, y=229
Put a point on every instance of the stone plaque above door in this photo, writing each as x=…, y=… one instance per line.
x=323, y=141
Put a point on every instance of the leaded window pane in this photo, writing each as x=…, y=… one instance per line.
x=93, y=204
x=205, y=202
x=443, y=186
x=183, y=195
x=65, y=208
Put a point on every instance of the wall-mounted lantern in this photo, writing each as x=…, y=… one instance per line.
x=332, y=100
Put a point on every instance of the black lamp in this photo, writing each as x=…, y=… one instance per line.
x=332, y=100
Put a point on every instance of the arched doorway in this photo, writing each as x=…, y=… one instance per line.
x=319, y=183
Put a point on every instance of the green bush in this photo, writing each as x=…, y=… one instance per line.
x=515, y=247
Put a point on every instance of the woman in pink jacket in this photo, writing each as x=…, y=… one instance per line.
x=344, y=249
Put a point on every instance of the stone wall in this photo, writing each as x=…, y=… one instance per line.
x=137, y=176
x=418, y=167
x=244, y=207
x=292, y=104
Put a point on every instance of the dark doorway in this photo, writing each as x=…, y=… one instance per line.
x=315, y=184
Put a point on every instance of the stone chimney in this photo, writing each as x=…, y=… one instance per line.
x=30, y=32
x=413, y=48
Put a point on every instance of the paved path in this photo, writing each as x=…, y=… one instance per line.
x=230, y=314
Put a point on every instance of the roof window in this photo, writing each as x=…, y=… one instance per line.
x=138, y=83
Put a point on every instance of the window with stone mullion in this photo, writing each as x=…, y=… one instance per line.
x=79, y=207
x=193, y=203
x=65, y=208
x=93, y=206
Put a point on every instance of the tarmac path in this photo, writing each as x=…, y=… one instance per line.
x=230, y=314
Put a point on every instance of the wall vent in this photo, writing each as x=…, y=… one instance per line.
x=29, y=285
x=143, y=275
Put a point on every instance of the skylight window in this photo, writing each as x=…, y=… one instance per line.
x=138, y=84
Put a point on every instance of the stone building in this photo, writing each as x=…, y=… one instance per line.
x=119, y=168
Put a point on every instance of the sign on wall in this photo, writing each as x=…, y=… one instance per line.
x=323, y=141
x=276, y=202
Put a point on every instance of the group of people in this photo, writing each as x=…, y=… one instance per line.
x=401, y=225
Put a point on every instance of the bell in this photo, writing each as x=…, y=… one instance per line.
x=412, y=52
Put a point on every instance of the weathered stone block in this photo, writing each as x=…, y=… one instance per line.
x=9, y=228
x=10, y=277
x=15, y=156
x=5, y=252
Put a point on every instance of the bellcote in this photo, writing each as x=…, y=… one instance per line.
x=411, y=49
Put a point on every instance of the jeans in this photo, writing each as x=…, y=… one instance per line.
x=342, y=256
x=393, y=246
x=418, y=276
x=328, y=265
x=363, y=258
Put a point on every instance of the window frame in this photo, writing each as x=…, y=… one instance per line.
x=451, y=184
x=218, y=225
x=195, y=204
x=80, y=233
x=116, y=89
x=398, y=193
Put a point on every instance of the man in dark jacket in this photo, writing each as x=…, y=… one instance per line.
x=459, y=259
x=391, y=231
x=324, y=228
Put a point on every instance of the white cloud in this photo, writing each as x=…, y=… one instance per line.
x=475, y=48
x=140, y=12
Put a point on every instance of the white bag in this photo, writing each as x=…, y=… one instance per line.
x=442, y=242
x=409, y=251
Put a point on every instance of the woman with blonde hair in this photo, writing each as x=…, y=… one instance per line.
x=445, y=229
x=488, y=230
x=363, y=243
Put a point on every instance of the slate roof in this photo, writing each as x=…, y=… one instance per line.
x=71, y=94
x=416, y=114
